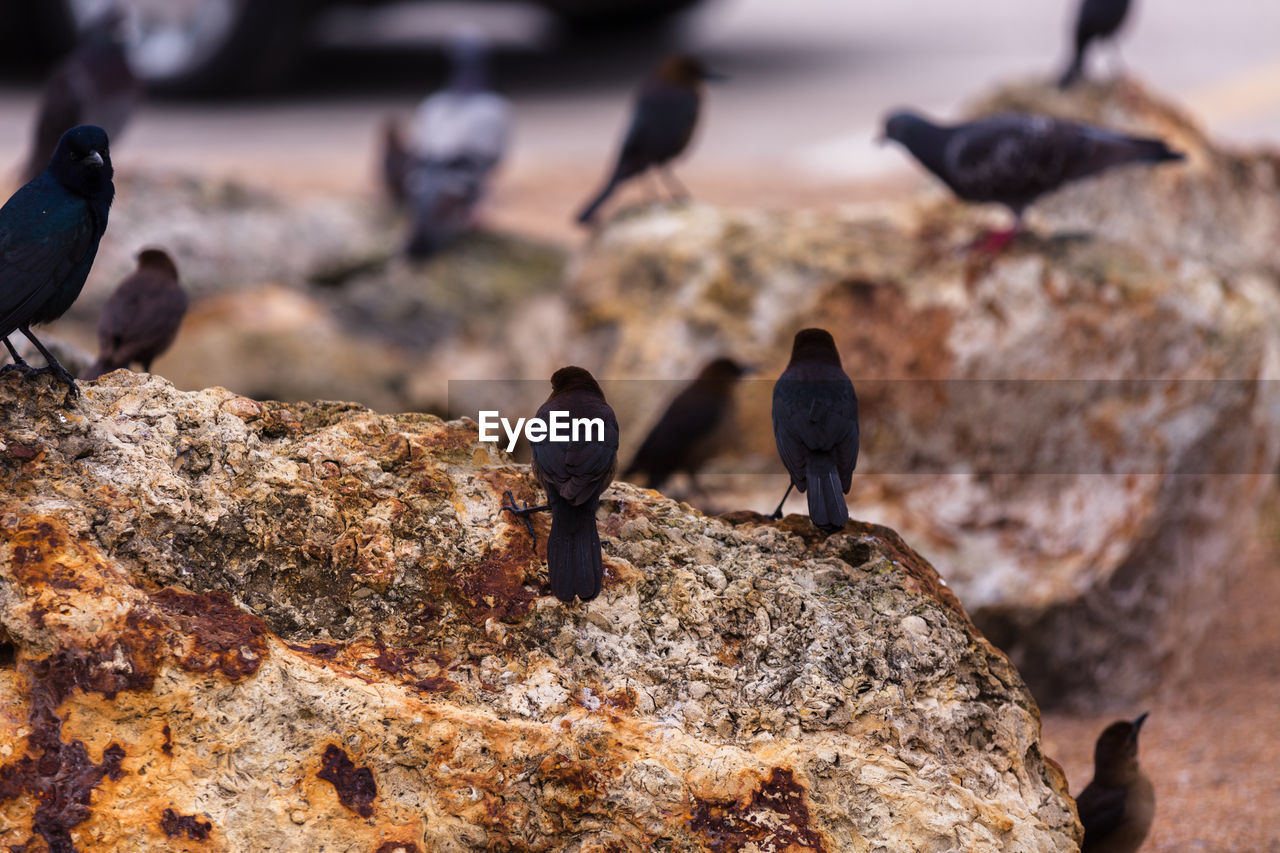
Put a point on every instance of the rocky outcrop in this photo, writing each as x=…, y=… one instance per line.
x=232, y=625
x=1078, y=430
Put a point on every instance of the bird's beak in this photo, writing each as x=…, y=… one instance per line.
x=1139, y=720
x=93, y=158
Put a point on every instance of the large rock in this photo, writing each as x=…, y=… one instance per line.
x=1087, y=524
x=234, y=625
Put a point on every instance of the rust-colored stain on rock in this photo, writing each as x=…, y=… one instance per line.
x=224, y=637
x=776, y=819
x=177, y=825
x=355, y=785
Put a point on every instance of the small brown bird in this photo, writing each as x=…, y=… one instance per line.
x=141, y=318
x=815, y=425
x=574, y=473
x=1117, y=807
x=662, y=123
x=693, y=428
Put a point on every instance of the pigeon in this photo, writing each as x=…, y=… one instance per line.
x=141, y=318
x=1098, y=19
x=49, y=234
x=1015, y=158
x=693, y=428
x=458, y=138
x=1119, y=804
x=662, y=124
x=574, y=474
x=815, y=425
x=93, y=85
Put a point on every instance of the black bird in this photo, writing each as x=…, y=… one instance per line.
x=1098, y=19
x=1015, y=158
x=692, y=429
x=49, y=233
x=662, y=123
x=574, y=474
x=141, y=318
x=1117, y=807
x=815, y=425
x=93, y=85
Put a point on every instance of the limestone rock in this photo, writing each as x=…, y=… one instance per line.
x=1077, y=430
x=237, y=625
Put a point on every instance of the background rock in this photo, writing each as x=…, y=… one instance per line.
x=300, y=627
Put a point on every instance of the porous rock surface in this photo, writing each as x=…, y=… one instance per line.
x=235, y=625
x=1080, y=430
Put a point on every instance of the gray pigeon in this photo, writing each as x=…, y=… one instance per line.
x=458, y=138
x=1015, y=158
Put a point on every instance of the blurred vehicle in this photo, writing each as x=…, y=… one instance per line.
x=210, y=46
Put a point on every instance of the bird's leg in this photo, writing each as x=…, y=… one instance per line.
x=777, y=513
x=53, y=366
x=679, y=193
x=523, y=512
x=18, y=362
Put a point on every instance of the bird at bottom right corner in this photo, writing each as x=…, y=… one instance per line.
x=1117, y=807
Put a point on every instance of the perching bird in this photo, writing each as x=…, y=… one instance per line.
x=49, y=233
x=815, y=425
x=1014, y=158
x=396, y=163
x=1098, y=19
x=662, y=123
x=692, y=429
x=459, y=137
x=141, y=318
x=93, y=85
x=1117, y=807
x=574, y=474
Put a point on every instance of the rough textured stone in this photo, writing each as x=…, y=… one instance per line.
x=972, y=446
x=236, y=625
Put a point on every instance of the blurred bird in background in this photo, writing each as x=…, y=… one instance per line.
x=1097, y=19
x=574, y=474
x=1118, y=806
x=694, y=429
x=458, y=137
x=662, y=124
x=141, y=318
x=1015, y=158
x=815, y=425
x=49, y=235
x=397, y=161
x=93, y=85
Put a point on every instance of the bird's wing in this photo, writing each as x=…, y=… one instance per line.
x=1101, y=810
x=692, y=416
x=44, y=235
x=1010, y=156
x=579, y=470
x=661, y=126
x=815, y=416
x=145, y=309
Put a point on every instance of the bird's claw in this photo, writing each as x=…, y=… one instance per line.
x=521, y=512
x=23, y=368
x=59, y=372
x=776, y=516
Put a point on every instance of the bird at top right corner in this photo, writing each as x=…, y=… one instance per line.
x=1096, y=20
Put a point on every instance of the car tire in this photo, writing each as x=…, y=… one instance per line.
x=260, y=49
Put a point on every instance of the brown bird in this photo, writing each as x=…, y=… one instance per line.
x=574, y=473
x=693, y=429
x=141, y=318
x=662, y=123
x=1117, y=807
x=815, y=425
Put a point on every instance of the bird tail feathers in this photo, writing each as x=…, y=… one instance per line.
x=1074, y=71
x=827, y=508
x=574, y=561
x=589, y=212
x=1156, y=151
